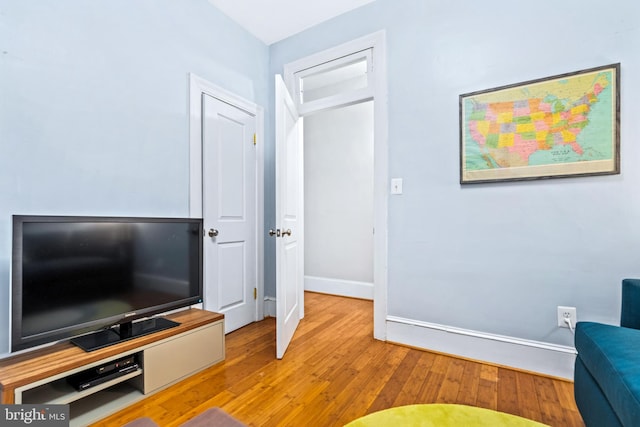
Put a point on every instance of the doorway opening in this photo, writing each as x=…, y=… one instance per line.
x=341, y=96
x=338, y=201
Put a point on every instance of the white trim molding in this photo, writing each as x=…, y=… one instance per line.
x=197, y=87
x=376, y=42
x=345, y=288
x=535, y=356
x=269, y=307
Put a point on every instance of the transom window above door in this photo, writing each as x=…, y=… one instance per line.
x=339, y=82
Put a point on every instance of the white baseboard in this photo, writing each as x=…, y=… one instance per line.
x=548, y=359
x=345, y=288
x=269, y=307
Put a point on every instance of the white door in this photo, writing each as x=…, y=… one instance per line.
x=289, y=219
x=229, y=211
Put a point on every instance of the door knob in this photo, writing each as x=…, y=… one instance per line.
x=213, y=232
x=275, y=232
x=286, y=232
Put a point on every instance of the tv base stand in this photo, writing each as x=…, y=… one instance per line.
x=163, y=358
x=126, y=331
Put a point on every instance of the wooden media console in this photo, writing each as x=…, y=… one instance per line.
x=163, y=358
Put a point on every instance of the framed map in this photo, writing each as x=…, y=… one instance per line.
x=560, y=126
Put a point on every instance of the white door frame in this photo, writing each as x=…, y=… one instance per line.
x=377, y=41
x=197, y=87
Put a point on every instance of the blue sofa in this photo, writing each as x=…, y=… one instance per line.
x=607, y=370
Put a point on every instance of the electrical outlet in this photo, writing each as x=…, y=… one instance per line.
x=566, y=313
x=396, y=186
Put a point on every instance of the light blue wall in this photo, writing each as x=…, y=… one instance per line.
x=93, y=102
x=93, y=105
x=495, y=258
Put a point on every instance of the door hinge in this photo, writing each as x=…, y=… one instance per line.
x=255, y=139
x=255, y=293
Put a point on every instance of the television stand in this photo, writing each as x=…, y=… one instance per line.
x=164, y=358
x=126, y=331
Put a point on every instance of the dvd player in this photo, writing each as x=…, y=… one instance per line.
x=115, y=365
x=101, y=374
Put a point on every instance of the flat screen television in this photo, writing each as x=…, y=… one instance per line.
x=89, y=278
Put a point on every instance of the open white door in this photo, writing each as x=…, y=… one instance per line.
x=289, y=233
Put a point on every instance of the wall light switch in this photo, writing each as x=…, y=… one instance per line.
x=396, y=186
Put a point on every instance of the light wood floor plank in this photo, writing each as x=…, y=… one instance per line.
x=488, y=387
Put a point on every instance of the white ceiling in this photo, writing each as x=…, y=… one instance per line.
x=274, y=20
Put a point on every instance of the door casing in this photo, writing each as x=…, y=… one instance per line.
x=377, y=42
x=197, y=87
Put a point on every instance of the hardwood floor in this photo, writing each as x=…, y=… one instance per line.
x=334, y=372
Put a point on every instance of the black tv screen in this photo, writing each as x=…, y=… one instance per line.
x=73, y=275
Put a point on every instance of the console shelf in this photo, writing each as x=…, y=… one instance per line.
x=164, y=358
x=59, y=392
x=110, y=400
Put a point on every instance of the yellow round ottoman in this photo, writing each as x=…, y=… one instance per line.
x=441, y=415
